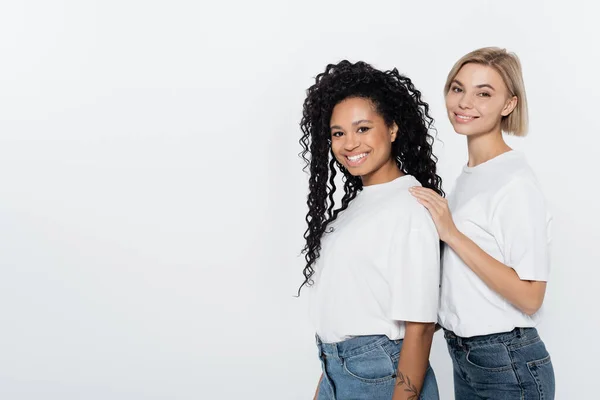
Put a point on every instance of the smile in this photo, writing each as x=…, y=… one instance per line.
x=464, y=118
x=357, y=159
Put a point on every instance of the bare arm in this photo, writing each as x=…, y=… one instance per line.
x=414, y=360
x=527, y=296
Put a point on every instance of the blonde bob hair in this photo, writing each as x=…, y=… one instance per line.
x=509, y=67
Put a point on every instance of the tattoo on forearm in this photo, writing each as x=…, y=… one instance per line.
x=402, y=380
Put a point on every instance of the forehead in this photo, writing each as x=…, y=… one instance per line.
x=355, y=108
x=473, y=74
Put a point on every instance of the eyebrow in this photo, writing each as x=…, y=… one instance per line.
x=361, y=121
x=478, y=86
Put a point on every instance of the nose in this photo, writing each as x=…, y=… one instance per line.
x=465, y=102
x=352, y=141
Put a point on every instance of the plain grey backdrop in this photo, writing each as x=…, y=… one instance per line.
x=152, y=202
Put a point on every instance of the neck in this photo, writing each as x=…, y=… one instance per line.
x=386, y=173
x=485, y=146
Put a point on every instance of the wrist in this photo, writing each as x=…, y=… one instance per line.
x=454, y=238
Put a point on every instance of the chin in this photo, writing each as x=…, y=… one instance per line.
x=462, y=133
x=460, y=129
x=355, y=172
x=361, y=171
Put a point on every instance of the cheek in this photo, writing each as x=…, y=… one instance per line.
x=382, y=143
x=336, y=147
x=489, y=109
x=451, y=102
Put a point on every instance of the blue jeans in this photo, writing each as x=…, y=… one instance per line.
x=502, y=366
x=364, y=367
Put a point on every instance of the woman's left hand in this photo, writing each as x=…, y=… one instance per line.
x=438, y=208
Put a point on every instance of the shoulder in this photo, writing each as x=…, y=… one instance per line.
x=406, y=210
x=520, y=197
x=516, y=166
x=514, y=176
x=522, y=183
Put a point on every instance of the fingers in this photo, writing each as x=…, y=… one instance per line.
x=426, y=203
x=428, y=193
x=422, y=189
x=431, y=207
x=431, y=200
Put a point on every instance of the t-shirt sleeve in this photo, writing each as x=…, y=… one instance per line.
x=415, y=272
x=521, y=225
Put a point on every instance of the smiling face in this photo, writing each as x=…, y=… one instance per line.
x=477, y=100
x=362, y=142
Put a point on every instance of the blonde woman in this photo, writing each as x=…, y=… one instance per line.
x=496, y=230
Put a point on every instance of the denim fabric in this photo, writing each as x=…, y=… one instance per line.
x=364, y=367
x=503, y=366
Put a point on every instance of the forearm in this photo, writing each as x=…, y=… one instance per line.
x=414, y=360
x=527, y=296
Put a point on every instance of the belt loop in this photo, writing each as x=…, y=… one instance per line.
x=319, y=346
x=459, y=340
x=519, y=332
x=336, y=353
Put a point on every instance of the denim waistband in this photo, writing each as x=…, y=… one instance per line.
x=353, y=346
x=517, y=333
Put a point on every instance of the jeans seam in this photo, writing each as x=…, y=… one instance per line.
x=390, y=356
x=361, y=351
x=367, y=380
x=364, y=349
x=535, y=376
x=371, y=380
x=523, y=344
x=496, y=369
x=327, y=382
x=539, y=362
x=512, y=363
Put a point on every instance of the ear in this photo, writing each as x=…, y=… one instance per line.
x=510, y=106
x=393, y=132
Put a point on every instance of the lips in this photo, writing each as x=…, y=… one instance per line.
x=356, y=159
x=462, y=118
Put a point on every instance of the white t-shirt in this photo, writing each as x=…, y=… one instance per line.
x=380, y=266
x=500, y=207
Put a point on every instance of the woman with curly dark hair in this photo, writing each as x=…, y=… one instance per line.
x=372, y=264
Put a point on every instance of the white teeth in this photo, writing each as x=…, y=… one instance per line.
x=357, y=157
x=464, y=117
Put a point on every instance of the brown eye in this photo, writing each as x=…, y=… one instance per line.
x=337, y=134
x=363, y=129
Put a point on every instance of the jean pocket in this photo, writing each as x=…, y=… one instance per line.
x=492, y=357
x=522, y=343
x=373, y=366
x=542, y=372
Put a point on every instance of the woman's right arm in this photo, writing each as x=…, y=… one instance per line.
x=414, y=360
x=522, y=235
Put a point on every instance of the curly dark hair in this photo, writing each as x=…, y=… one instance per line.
x=396, y=100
